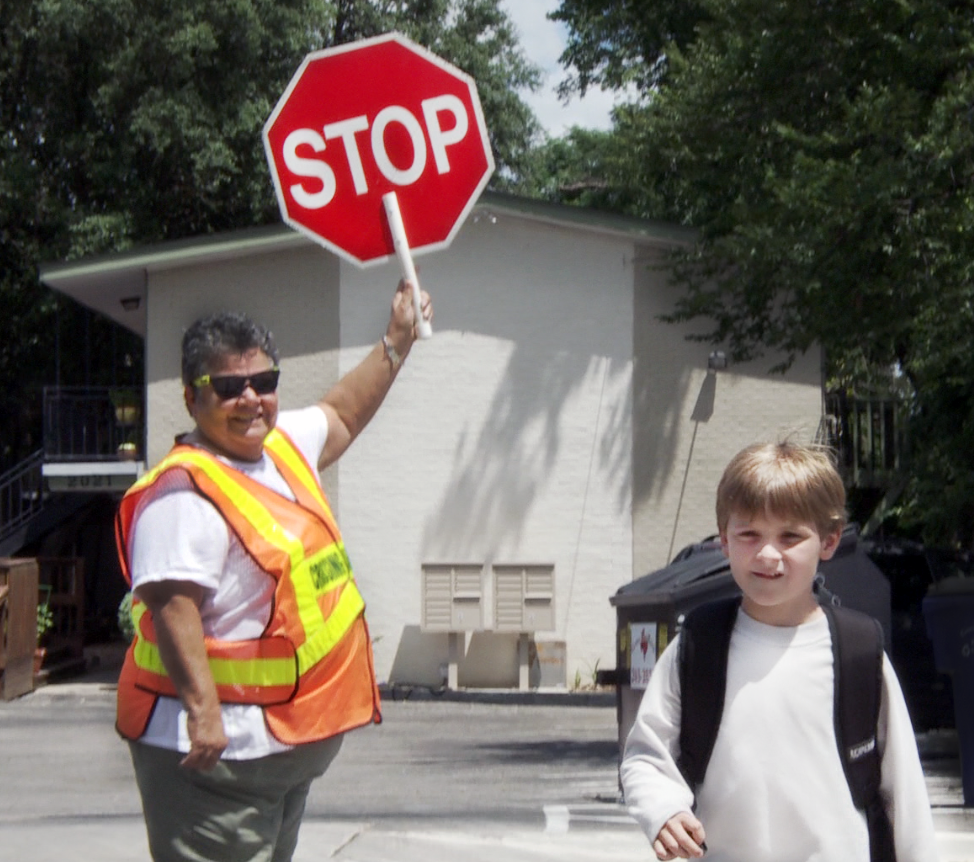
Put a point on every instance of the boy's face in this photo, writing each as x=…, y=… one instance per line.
x=774, y=561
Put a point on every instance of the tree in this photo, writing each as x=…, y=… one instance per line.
x=615, y=43
x=825, y=154
x=131, y=122
x=585, y=167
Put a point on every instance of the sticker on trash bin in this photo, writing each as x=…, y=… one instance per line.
x=642, y=658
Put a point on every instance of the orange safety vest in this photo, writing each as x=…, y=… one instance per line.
x=311, y=670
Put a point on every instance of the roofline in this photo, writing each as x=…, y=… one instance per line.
x=277, y=237
x=655, y=232
x=175, y=252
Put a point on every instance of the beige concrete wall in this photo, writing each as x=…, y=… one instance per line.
x=689, y=423
x=506, y=439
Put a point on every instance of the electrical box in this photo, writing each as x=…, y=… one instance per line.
x=453, y=597
x=524, y=598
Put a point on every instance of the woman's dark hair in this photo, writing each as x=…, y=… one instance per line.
x=227, y=333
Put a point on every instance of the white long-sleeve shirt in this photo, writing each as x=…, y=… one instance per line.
x=775, y=790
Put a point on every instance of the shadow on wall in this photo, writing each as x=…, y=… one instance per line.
x=659, y=399
x=666, y=364
x=499, y=475
x=417, y=660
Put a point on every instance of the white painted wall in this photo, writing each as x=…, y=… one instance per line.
x=505, y=440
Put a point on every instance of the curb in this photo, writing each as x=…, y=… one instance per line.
x=530, y=697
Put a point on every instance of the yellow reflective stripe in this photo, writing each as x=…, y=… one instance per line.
x=137, y=610
x=262, y=520
x=350, y=605
x=252, y=672
x=147, y=657
x=271, y=671
x=275, y=441
x=265, y=524
x=150, y=476
x=225, y=671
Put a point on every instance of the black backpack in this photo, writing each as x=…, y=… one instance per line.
x=857, y=648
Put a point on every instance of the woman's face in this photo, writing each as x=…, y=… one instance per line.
x=235, y=426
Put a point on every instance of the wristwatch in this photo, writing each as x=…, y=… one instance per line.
x=391, y=352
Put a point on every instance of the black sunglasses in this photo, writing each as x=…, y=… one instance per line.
x=228, y=386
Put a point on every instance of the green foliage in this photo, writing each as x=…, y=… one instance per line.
x=45, y=620
x=45, y=615
x=825, y=154
x=590, y=682
x=615, y=43
x=125, y=623
x=586, y=168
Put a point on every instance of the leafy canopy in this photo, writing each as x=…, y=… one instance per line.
x=824, y=151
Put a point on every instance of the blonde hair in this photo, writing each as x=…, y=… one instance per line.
x=785, y=479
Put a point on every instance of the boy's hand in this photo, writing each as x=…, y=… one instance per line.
x=681, y=838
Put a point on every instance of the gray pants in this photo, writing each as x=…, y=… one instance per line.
x=240, y=811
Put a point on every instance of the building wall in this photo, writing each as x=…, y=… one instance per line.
x=552, y=419
x=688, y=422
x=506, y=439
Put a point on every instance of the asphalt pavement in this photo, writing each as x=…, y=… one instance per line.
x=522, y=811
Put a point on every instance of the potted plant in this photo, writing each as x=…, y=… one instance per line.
x=127, y=406
x=45, y=622
x=127, y=451
x=126, y=625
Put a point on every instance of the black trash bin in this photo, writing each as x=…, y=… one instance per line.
x=649, y=610
x=948, y=610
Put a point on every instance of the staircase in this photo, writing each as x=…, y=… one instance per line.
x=22, y=496
x=27, y=508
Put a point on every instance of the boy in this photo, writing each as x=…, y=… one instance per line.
x=774, y=790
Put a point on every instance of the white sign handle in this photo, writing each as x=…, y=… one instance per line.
x=400, y=243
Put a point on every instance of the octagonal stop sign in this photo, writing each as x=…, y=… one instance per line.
x=361, y=120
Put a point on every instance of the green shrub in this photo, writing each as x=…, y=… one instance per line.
x=125, y=624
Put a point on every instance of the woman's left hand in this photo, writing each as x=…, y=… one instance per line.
x=402, y=330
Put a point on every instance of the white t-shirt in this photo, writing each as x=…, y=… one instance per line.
x=180, y=535
x=775, y=790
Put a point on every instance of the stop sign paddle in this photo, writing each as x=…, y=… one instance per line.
x=378, y=147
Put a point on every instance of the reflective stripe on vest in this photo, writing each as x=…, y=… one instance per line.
x=276, y=443
x=261, y=671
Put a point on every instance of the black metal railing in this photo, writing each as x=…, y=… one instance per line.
x=869, y=435
x=93, y=423
x=21, y=493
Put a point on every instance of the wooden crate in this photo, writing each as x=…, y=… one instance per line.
x=18, y=625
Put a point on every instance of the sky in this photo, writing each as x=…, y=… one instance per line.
x=543, y=41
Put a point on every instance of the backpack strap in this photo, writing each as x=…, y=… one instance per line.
x=857, y=649
x=702, y=658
